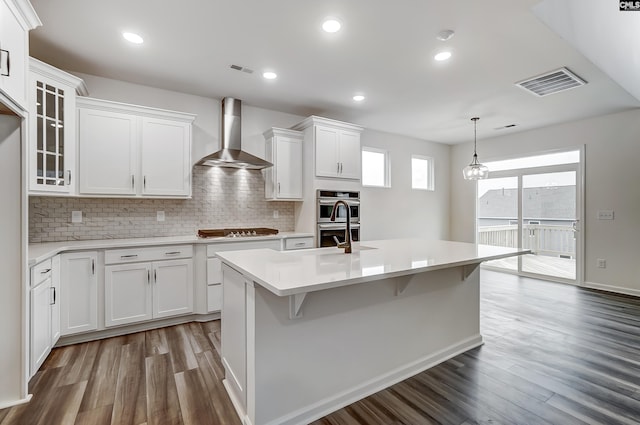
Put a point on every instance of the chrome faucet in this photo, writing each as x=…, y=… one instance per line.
x=347, y=241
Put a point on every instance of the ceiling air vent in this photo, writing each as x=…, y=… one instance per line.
x=552, y=82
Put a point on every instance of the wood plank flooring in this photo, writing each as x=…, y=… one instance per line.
x=553, y=354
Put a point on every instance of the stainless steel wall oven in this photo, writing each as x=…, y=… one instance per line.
x=329, y=233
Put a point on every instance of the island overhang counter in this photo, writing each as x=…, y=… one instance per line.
x=307, y=332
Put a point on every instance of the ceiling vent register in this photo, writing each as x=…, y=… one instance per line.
x=552, y=82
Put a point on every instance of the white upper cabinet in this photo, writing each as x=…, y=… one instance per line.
x=128, y=150
x=283, y=149
x=52, y=129
x=108, y=154
x=336, y=147
x=17, y=17
x=164, y=143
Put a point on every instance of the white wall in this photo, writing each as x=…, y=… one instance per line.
x=12, y=263
x=400, y=211
x=612, y=151
x=387, y=213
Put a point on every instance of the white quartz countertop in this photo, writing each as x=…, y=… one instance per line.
x=41, y=251
x=295, y=272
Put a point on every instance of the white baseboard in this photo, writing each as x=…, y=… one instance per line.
x=132, y=328
x=5, y=405
x=237, y=404
x=324, y=407
x=611, y=288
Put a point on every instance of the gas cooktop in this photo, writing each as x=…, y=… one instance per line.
x=236, y=233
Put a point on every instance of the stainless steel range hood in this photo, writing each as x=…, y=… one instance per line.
x=231, y=153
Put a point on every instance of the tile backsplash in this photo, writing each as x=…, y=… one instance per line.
x=222, y=197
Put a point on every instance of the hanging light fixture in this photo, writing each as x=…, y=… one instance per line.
x=475, y=170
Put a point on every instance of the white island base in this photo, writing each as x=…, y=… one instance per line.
x=294, y=357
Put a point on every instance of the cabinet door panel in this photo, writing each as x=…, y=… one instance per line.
x=107, y=152
x=349, y=155
x=55, y=301
x=79, y=297
x=166, y=157
x=13, y=38
x=41, y=297
x=326, y=141
x=173, y=288
x=127, y=293
x=289, y=168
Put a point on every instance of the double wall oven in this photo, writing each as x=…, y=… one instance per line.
x=329, y=233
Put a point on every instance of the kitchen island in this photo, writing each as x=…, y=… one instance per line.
x=307, y=332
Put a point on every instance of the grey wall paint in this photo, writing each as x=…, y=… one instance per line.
x=612, y=149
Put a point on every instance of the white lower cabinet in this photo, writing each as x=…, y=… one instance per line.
x=78, y=292
x=44, y=311
x=135, y=292
x=214, y=267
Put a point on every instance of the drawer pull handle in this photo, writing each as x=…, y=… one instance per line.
x=129, y=256
x=173, y=253
x=45, y=271
x=300, y=244
x=8, y=62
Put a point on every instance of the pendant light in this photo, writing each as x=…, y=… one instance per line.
x=475, y=170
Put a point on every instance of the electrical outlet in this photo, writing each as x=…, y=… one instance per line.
x=605, y=215
x=76, y=216
x=160, y=216
x=276, y=214
x=602, y=263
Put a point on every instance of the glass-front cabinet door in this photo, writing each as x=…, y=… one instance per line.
x=52, y=148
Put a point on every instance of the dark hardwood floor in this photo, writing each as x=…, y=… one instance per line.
x=553, y=354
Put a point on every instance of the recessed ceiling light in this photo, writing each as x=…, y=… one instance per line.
x=331, y=25
x=442, y=56
x=269, y=75
x=358, y=98
x=132, y=38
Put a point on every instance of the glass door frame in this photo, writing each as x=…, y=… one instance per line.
x=578, y=168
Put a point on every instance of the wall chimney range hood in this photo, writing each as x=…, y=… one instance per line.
x=231, y=153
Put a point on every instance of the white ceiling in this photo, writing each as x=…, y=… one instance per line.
x=385, y=51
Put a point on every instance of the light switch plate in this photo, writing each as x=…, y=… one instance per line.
x=76, y=216
x=160, y=216
x=605, y=215
x=276, y=213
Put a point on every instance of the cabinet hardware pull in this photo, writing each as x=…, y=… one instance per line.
x=341, y=168
x=45, y=271
x=144, y=182
x=68, y=182
x=148, y=277
x=338, y=168
x=155, y=276
x=172, y=253
x=93, y=266
x=8, y=63
x=133, y=181
x=53, y=296
x=300, y=244
x=278, y=187
x=129, y=256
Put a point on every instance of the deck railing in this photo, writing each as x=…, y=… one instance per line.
x=541, y=239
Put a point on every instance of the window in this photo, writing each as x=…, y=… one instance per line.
x=375, y=167
x=422, y=176
x=556, y=158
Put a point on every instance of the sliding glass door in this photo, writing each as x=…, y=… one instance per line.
x=534, y=204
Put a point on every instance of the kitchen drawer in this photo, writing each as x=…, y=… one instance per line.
x=132, y=255
x=298, y=243
x=214, y=298
x=242, y=245
x=40, y=272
